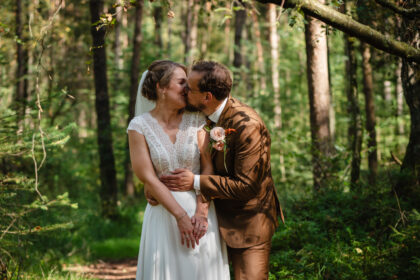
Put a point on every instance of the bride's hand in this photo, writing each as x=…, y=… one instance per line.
x=186, y=229
x=200, y=226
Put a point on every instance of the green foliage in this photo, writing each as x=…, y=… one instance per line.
x=344, y=235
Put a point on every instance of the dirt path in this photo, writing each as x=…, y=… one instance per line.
x=121, y=270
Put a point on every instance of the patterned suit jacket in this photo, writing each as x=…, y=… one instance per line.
x=244, y=195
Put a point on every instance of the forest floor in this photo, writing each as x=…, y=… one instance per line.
x=113, y=270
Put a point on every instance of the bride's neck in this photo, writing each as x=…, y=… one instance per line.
x=165, y=114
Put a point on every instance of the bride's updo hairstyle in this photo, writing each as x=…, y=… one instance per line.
x=160, y=72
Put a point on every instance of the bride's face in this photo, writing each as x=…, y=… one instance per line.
x=174, y=93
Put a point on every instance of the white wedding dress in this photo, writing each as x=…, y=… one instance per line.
x=161, y=256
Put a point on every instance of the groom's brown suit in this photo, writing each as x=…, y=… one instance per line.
x=244, y=195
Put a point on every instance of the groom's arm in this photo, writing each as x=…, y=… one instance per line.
x=251, y=165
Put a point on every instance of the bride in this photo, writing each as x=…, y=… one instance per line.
x=180, y=236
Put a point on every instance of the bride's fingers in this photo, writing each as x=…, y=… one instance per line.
x=182, y=238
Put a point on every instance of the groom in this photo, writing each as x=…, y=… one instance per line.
x=242, y=187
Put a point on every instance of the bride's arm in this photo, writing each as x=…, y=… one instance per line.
x=143, y=168
x=206, y=167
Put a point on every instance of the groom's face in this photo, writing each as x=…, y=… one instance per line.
x=195, y=98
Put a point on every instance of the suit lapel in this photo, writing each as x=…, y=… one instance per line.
x=225, y=115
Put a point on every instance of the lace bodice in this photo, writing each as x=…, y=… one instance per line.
x=167, y=156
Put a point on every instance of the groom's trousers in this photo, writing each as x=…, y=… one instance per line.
x=250, y=263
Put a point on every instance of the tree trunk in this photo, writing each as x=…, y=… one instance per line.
x=370, y=113
x=355, y=125
x=117, y=41
x=330, y=16
x=22, y=68
x=319, y=99
x=387, y=90
x=332, y=112
x=400, y=98
x=260, y=57
x=157, y=15
x=134, y=75
x=274, y=44
x=206, y=37
x=408, y=184
x=240, y=18
x=108, y=190
x=227, y=46
x=190, y=35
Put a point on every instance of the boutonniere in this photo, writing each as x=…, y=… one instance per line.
x=218, y=138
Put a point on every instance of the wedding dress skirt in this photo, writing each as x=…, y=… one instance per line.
x=163, y=257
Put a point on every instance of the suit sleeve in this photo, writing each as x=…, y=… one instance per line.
x=250, y=156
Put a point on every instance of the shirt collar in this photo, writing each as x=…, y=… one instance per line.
x=215, y=116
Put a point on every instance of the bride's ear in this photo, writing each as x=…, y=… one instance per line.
x=159, y=89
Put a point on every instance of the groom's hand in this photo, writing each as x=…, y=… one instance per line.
x=180, y=180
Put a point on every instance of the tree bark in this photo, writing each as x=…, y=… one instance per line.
x=353, y=28
x=408, y=184
x=260, y=57
x=22, y=56
x=400, y=98
x=190, y=35
x=319, y=99
x=117, y=41
x=370, y=113
x=157, y=15
x=240, y=18
x=274, y=44
x=134, y=75
x=227, y=46
x=355, y=125
x=108, y=191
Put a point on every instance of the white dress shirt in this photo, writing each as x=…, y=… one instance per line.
x=214, y=117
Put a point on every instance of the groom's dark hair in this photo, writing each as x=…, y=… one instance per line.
x=216, y=78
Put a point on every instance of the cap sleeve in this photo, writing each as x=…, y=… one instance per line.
x=200, y=120
x=136, y=124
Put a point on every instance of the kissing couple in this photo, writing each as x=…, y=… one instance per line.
x=204, y=158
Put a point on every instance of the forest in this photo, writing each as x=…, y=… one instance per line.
x=337, y=83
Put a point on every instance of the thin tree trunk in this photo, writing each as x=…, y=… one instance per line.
x=134, y=75
x=169, y=42
x=157, y=15
x=355, y=125
x=108, y=178
x=332, y=112
x=240, y=18
x=260, y=57
x=22, y=68
x=400, y=99
x=274, y=44
x=227, y=46
x=370, y=113
x=190, y=35
x=206, y=37
x=319, y=99
x=387, y=91
x=117, y=41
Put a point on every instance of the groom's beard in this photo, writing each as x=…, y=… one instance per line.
x=192, y=108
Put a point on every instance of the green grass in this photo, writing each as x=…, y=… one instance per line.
x=116, y=248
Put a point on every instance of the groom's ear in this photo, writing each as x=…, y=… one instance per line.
x=209, y=96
